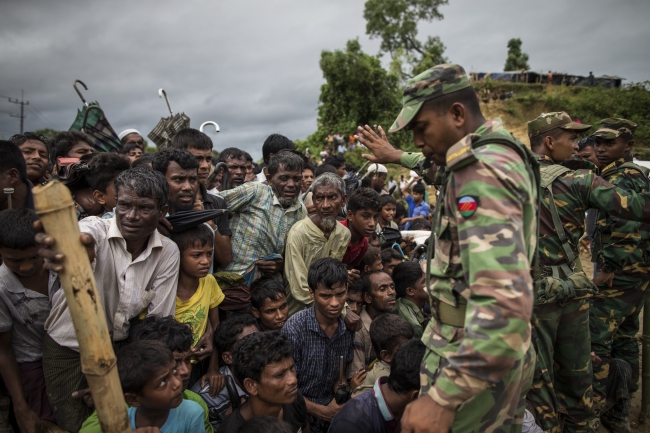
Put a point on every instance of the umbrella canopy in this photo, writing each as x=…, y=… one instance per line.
x=185, y=220
x=91, y=120
x=168, y=126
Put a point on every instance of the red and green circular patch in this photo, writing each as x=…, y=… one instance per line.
x=467, y=206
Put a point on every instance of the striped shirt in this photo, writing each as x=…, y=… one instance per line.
x=260, y=224
x=126, y=287
x=316, y=356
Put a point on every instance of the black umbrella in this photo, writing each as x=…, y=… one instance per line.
x=185, y=220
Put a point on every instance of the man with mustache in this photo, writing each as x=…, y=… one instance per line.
x=180, y=169
x=315, y=237
x=235, y=160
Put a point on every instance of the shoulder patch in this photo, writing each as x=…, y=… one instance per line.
x=467, y=205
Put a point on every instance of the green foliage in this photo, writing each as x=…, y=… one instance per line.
x=149, y=149
x=395, y=22
x=516, y=60
x=48, y=133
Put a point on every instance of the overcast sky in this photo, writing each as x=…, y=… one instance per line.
x=252, y=65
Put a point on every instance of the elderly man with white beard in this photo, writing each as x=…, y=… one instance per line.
x=315, y=237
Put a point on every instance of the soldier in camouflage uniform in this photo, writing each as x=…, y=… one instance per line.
x=623, y=257
x=479, y=360
x=563, y=373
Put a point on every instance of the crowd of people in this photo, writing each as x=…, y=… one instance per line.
x=288, y=296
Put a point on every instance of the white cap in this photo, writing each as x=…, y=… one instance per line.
x=379, y=168
x=126, y=132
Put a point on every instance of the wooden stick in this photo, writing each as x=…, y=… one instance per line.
x=56, y=210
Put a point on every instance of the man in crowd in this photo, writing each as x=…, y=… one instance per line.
x=487, y=289
x=13, y=174
x=235, y=160
x=317, y=236
x=129, y=136
x=410, y=283
x=180, y=170
x=338, y=162
x=377, y=174
x=269, y=304
x=273, y=144
x=66, y=145
x=136, y=270
x=36, y=153
x=263, y=216
x=200, y=146
x=320, y=338
x=379, y=297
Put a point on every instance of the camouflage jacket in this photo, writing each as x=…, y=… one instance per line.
x=485, y=236
x=575, y=191
x=623, y=245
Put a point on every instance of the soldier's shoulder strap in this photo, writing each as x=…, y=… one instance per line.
x=549, y=174
x=627, y=164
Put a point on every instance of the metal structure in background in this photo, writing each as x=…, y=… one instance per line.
x=22, y=104
x=163, y=132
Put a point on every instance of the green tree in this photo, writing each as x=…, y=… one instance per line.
x=516, y=60
x=395, y=22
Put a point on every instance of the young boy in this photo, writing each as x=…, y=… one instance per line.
x=389, y=259
x=154, y=390
x=387, y=214
x=198, y=294
x=387, y=333
x=227, y=335
x=269, y=304
x=178, y=338
x=371, y=261
x=264, y=366
x=418, y=208
x=363, y=212
x=25, y=292
x=411, y=296
x=105, y=167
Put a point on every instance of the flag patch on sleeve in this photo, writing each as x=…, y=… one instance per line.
x=467, y=206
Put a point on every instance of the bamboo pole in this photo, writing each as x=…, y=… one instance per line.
x=56, y=210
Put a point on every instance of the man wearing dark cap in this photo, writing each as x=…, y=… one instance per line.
x=479, y=361
x=623, y=256
x=562, y=290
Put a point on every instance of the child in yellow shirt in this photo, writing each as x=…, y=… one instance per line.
x=198, y=294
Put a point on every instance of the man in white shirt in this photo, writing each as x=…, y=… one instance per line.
x=136, y=271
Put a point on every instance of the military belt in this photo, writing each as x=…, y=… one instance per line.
x=448, y=314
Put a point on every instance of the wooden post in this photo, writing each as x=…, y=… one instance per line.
x=56, y=210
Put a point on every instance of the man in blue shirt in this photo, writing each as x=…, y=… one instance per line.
x=380, y=410
x=418, y=208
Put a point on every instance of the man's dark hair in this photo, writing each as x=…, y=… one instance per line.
x=146, y=158
x=225, y=336
x=17, y=230
x=310, y=167
x=265, y=424
x=387, y=330
x=129, y=147
x=388, y=254
x=400, y=210
x=138, y=361
x=418, y=188
x=356, y=287
x=230, y=153
x=404, y=374
x=104, y=168
x=266, y=288
x=62, y=143
x=364, y=199
x=370, y=257
x=325, y=168
x=181, y=157
x=405, y=275
x=538, y=140
x=12, y=157
x=387, y=199
x=20, y=139
x=335, y=161
x=200, y=236
x=327, y=272
x=366, y=281
x=466, y=96
x=273, y=144
x=420, y=224
x=586, y=142
x=255, y=351
x=287, y=159
x=145, y=183
x=175, y=335
x=248, y=157
x=191, y=138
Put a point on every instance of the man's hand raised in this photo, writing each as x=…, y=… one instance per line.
x=53, y=259
x=382, y=151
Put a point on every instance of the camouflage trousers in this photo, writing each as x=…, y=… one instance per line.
x=614, y=324
x=563, y=371
x=497, y=409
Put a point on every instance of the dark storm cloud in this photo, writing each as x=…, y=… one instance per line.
x=252, y=66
